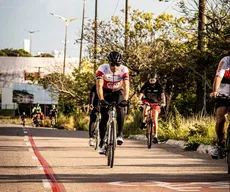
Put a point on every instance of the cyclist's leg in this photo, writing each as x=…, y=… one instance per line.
x=221, y=113
x=93, y=118
x=144, y=115
x=103, y=123
x=155, y=113
x=118, y=97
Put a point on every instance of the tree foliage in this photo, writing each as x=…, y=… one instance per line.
x=14, y=53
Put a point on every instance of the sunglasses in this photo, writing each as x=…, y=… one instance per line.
x=152, y=80
x=115, y=64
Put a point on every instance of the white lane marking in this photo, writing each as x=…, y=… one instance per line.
x=26, y=139
x=46, y=183
x=221, y=187
x=119, y=183
x=34, y=157
x=40, y=167
x=28, y=144
x=31, y=150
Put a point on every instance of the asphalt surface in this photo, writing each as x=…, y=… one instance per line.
x=44, y=159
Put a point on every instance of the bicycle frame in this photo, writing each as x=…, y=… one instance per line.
x=150, y=124
x=111, y=135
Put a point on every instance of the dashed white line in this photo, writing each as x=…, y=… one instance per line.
x=46, y=183
x=34, y=157
x=40, y=167
x=28, y=144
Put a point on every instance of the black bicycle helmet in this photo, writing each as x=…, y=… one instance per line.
x=115, y=58
x=152, y=75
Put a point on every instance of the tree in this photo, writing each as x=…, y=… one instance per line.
x=44, y=55
x=16, y=53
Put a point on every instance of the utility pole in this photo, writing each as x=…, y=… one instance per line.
x=95, y=38
x=201, y=92
x=82, y=33
x=126, y=24
x=31, y=33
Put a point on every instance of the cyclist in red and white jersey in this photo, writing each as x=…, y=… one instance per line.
x=112, y=85
x=221, y=86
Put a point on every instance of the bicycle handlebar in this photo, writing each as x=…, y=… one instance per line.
x=221, y=96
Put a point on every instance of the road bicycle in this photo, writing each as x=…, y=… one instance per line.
x=150, y=124
x=96, y=130
x=227, y=143
x=111, y=135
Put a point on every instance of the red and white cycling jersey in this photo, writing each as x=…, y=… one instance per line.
x=113, y=81
x=224, y=67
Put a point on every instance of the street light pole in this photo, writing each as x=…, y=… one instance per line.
x=31, y=33
x=67, y=21
x=95, y=38
x=82, y=34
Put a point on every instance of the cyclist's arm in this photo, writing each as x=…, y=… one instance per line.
x=216, y=85
x=140, y=96
x=163, y=100
x=126, y=89
x=99, y=83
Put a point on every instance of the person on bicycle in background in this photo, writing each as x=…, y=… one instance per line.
x=153, y=93
x=112, y=85
x=53, y=113
x=23, y=116
x=93, y=107
x=221, y=86
x=36, y=111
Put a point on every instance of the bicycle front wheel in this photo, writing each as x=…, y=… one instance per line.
x=228, y=148
x=149, y=134
x=111, y=144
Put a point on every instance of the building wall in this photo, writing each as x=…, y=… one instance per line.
x=12, y=71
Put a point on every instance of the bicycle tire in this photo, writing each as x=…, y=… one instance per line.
x=150, y=136
x=111, y=144
x=96, y=135
x=228, y=148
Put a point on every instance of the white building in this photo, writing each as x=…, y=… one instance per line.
x=14, y=89
x=26, y=45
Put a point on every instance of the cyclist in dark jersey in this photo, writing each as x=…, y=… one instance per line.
x=153, y=94
x=112, y=85
x=93, y=106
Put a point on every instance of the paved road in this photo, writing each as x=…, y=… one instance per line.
x=43, y=159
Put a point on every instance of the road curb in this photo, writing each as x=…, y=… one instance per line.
x=179, y=143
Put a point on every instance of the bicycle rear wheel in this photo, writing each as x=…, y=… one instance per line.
x=149, y=135
x=228, y=148
x=96, y=135
x=111, y=144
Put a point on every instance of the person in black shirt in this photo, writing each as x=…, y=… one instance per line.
x=153, y=94
x=53, y=114
x=94, y=107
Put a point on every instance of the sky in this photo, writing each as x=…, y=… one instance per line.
x=17, y=17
